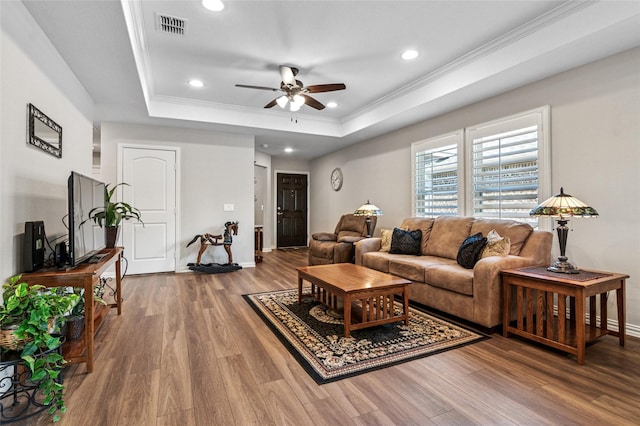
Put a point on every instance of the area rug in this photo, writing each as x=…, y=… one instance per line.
x=316, y=339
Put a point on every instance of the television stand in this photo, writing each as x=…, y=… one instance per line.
x=85, y=275
x=96, y=258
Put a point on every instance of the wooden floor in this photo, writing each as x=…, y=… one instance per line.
x=188, y=350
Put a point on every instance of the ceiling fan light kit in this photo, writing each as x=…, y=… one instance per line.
x=295, y=92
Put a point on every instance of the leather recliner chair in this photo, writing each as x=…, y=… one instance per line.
x=337, y=247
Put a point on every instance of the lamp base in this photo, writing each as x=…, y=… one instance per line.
x=563, y=266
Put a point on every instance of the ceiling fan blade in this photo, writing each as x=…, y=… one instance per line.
x=288, y=76
x=271, y=104
x=312, y=102
x=246, y=86
x=318, y=88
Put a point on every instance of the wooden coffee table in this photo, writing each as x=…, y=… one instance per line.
x=367, y=295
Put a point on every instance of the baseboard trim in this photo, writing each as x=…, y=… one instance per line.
x=612, y=324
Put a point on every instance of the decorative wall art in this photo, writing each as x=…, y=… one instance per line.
x=44, y=133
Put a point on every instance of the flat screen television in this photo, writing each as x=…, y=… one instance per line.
x=85, y=237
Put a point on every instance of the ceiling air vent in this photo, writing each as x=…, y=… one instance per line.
x=171, y=24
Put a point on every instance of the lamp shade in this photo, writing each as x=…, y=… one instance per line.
x=368, y=209
x=563, y=206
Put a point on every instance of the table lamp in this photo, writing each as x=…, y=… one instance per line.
x=368, y=210
x=562, y=207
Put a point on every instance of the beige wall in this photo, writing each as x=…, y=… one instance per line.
x=33, y=184
x=215, y=169
x=595, y=151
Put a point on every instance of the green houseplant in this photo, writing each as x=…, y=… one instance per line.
x=29, y=312
x=113, y=213
x=74, y=322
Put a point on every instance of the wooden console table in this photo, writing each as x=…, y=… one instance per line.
x=533, y=291
x=85, y=275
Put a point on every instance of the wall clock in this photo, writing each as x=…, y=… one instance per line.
x=336, y=179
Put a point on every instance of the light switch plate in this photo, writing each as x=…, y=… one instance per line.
x=228, y=207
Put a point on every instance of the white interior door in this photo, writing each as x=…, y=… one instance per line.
x=151, y=175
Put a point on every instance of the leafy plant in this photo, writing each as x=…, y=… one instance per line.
x=31, y=309
x=78, y=308
x=114, y=212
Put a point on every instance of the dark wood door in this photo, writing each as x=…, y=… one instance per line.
x=291, y=210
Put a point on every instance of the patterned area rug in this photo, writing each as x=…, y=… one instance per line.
x=316, y=337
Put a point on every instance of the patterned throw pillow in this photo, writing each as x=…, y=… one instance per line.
x=406, y=242
x=470, y=250
x=386, y=239
x=496, y=245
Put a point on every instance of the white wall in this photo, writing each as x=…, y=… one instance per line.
x=34, y=183
x=264, y=160
x=216, y=169
x=595, y=149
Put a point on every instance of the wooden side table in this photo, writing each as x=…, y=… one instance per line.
x=530, y=293
x=85, y=275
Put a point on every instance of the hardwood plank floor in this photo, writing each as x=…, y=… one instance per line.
x=188, y=350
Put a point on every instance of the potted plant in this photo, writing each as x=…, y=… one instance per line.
x=74, y=322
x=29, y=312
x=112, y=214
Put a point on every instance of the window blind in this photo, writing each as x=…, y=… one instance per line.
x=436, y=181
x=505, y=174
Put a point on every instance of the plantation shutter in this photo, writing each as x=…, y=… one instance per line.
x=505, y=170
x=436, y=181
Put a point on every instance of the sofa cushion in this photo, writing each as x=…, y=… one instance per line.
x=424, y=224
x=470, y=250
x=385, y=243
x=413, y=268
x=447, y=234
x=406, y=242
x=378, y=260
x=349, y=222
x=350, y=239
x=516, y=232
x=342, y=235
x=451, y=277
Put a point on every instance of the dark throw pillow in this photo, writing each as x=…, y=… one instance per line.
x=470, y=250
x=406, y=242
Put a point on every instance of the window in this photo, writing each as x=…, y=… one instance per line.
x=494, y=170
x=435, y=172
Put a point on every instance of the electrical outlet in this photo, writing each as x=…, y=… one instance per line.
x=228, y=207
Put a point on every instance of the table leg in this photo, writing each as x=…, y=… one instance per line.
x=118, y=285
x=89, y=331
x=621, y=313
x=580, y=325
x=299, y=290
x=347, y=315
x=405, y=293
x=506, y=307
x=603, y=313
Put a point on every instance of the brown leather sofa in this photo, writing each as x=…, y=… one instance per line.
x=440, y=282
x=337, y=247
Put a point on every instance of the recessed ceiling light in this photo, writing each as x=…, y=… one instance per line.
x=409, y=54
x=288, y=149
x=332, y=104
x=196, y=83
x=213, y=5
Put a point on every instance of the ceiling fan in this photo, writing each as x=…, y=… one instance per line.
x=295, y=93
